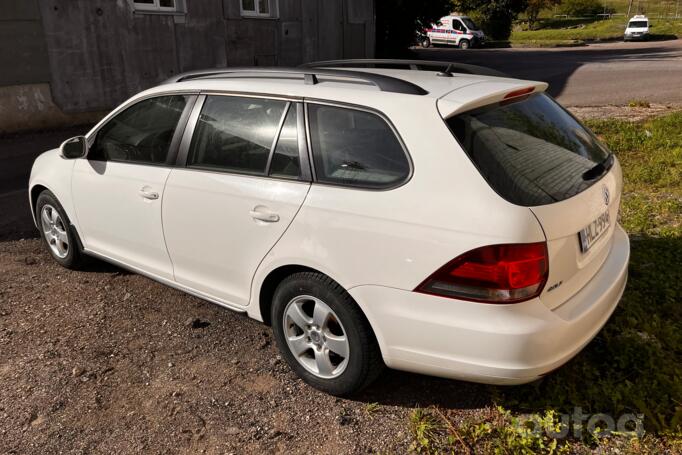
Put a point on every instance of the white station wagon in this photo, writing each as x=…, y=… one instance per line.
x=436, y=218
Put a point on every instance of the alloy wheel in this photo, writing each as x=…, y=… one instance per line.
x=316, y=337
x=54, y=230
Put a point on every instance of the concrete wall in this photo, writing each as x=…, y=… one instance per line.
x=94, y=54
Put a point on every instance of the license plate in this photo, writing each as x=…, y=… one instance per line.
x=593, y=231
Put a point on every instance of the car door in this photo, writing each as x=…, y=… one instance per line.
x=118, y=188
x=457, y=32
x=245, y=176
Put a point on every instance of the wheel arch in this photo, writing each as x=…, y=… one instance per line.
x=34, y=192
x=270, y=283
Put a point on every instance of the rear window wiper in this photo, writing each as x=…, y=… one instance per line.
x=599, y=169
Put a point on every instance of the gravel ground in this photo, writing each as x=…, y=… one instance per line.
x=105, y=361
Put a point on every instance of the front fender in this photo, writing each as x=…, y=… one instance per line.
x=53, y=172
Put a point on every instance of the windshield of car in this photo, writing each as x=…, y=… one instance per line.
x=638, y=24
x=471, y=25
x=531, y=151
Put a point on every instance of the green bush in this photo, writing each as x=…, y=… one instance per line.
x=582, y=8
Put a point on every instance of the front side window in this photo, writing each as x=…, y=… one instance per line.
x=471, y=25
x=530, y=150
x=259, y=8
x=142, y=133
x=355, y=148
x=457, y=25
x=235, y=134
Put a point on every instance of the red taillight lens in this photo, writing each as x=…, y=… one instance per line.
x=493, y=274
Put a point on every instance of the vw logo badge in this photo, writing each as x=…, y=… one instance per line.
x=607, y=196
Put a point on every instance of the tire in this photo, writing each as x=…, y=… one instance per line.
x=464, y=44
x=425, y=43
x=57, y=233
x=311, y=292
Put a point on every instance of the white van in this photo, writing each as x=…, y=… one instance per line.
x=458, y=31
x=638, y=28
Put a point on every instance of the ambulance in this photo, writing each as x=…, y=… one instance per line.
x=458, y=31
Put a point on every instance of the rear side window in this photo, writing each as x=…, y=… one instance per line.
x=355, y=148
x=531, y=151
x=235, y=134
x=141, y=133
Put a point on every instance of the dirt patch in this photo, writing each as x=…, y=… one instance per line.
x=633, y=113
x=104, y=361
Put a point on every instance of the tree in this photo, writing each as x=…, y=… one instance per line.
x=399, y=21
x=534, y=7
x=495, y=17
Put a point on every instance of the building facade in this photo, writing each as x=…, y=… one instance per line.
x=69, y=61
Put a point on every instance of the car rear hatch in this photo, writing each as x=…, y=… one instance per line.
x=533, y=153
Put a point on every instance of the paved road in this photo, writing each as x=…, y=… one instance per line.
x=594, y=75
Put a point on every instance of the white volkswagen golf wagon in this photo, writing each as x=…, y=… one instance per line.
x=433, y=218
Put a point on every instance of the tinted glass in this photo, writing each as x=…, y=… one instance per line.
x=469, y=23
x=638, y=24
x=142, y=133
x=357, y=148
x=235, y=134
x=285, y=160
x=457, y=25
x=531, y=151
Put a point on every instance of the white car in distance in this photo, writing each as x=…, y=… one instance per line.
x=637, y=28
x=439, y=219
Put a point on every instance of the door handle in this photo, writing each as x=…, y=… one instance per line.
x=145, y=193
x=266, y=216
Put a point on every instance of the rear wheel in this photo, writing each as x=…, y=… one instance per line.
x=464, y=44
x=323, y=335
x=56, y=231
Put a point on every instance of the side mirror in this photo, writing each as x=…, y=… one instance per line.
x=76, y=147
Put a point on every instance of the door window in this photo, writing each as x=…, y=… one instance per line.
x=457, y=25
x=142, y=133
x=235, y=134
x=355, y=148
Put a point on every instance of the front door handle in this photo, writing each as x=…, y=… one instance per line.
x=146, y=193
x=262, y=214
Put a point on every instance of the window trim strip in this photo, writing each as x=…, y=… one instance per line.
x=275, y=140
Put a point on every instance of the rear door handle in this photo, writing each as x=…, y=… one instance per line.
x=261, y=214
x=147, y=194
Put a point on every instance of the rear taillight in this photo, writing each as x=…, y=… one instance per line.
x=492, y=274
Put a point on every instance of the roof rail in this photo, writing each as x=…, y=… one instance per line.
x=310, y=76
x=445, y=68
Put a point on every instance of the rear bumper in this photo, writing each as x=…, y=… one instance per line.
x=494, y=344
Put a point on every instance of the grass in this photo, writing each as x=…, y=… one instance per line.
x=554, y=32
x=634, y=365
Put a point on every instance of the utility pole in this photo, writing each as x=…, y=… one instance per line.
x=630, y=8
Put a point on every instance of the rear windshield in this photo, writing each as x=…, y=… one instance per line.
x=531, y=151
x=638, y=24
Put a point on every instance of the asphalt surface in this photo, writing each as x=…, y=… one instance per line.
x=594, y=75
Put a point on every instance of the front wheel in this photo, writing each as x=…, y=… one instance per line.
x=56, y=231
x=464, y=44
x=425, y=43
x=323, y=335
